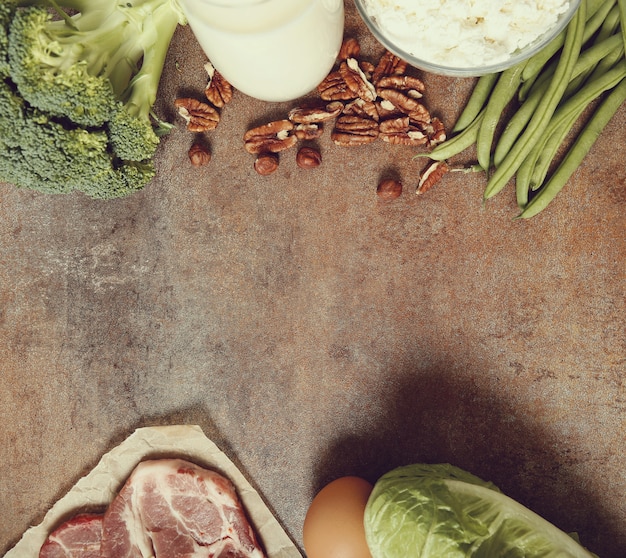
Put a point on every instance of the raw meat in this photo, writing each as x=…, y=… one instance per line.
x=78, y=537
x=171, y=508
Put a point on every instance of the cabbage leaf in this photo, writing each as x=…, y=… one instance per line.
x=436, y=511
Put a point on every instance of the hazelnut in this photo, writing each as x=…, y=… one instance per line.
x=199, y=154
x=389, y=189
x=308, y=158
x=266, y=163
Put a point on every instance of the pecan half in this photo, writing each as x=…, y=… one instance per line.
x=388, y=65
x=271, y=137
x=356, y=80
x=200, y=116
x=350, y=48
x=436, y=131
x=334, y=88
x=416, y=110
x=412, y=86
x=359, y=107
x=399, y=131
x=218, y=90
x=398, y=125
x=312, y=115
x=308, y=131
x=354, y=130
x=431, y=175
x=386, y=109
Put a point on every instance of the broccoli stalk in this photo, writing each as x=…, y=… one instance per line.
x=100, y=66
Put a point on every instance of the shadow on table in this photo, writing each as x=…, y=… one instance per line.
x=439, y=417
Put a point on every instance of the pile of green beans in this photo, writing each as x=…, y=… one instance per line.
x=519, y=119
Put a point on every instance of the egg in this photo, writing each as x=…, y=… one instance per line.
x=333, y=525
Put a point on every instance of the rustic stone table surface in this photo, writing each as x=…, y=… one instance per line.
x=314, y=331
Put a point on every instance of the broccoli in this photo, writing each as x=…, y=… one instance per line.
x=43, y=154
x=7, y=9
x=79, y=87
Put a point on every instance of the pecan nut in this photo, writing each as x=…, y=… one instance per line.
x=200, y=116
x=400, y=131
x=412, y=86
x=334, y=88
x=388, y=65
x=436, y=131
x=415, y=109
x=356, y=80
x=313, y=115
x=431, y=175
x=350, y=48
x=307, y=132
x=354, y=130
x=359, y=107
x=271, y=137
x=218, y=90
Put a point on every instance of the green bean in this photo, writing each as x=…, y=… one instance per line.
x=519, y=120
x=622, y=18
x=607, y=63
x=476, y=102
x=534, y=168
x=592, y=55
x=579, y=150
x=456, y=144
x=532, y=172
x=565, y=118
x=595, y=14
x=546, y=108
x=504, y=90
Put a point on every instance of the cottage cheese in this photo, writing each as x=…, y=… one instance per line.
x=464, y=33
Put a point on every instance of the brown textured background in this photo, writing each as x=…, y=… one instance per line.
x=313, y=331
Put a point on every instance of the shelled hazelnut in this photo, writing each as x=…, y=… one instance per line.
x=389, y=189
x=199, y=154
x=308, y=158
x=266, y=163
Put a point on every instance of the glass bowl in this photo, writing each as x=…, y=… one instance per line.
x=462, y=69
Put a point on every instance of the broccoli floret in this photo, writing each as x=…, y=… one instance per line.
x=98, y=67
x=41, y=153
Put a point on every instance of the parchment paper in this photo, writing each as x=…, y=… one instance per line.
x=98, y=488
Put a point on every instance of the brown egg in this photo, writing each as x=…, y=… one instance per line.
x=333, y=526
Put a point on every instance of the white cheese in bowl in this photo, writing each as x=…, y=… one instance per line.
x=464, y=33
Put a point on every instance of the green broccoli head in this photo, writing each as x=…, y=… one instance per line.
x=7, y=10
x=52, y=70
x=50, y=156
x=132, y=138
x=12, y=114
x=77, y=92
x=82, y=66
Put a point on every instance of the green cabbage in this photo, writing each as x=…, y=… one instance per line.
x=441, y=511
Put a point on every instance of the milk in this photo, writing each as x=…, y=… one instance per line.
x=273, y=50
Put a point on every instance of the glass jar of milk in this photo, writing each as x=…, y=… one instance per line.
x=273, y=50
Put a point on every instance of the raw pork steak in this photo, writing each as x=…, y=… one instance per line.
x=78, y=537
x=171, y=508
